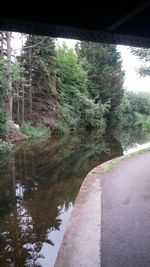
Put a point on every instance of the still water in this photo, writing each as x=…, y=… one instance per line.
x=39, y=182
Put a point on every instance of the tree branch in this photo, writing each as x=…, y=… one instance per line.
x=30, y=46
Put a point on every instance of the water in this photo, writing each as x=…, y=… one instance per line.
x=39, y=183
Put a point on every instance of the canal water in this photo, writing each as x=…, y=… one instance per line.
x=39, y=182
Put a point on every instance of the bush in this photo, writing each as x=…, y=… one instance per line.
x=37, y=131
x=142, y=121
x=62, y=127
x=5, y=147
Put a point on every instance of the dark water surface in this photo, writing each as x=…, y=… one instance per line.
x=39, y=183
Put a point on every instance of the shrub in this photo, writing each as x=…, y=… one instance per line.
x=5, y=147
x=62, y=127
x=36, y=131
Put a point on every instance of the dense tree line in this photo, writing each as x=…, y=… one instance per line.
x=62, y=88
x=65, y=89
x=133, y=111
x=47, y=87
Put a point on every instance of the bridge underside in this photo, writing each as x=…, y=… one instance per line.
x=118, y=22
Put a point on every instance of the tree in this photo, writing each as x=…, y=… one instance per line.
x=9, y=77
x=105, y=76
x=134, y=110
x=10, y=73
x=77, y=108
x=38, y=60
x=144, y=55
x=3, y=86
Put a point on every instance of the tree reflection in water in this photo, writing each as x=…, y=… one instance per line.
x=39, y=183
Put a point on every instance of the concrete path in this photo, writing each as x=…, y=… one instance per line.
x=110, y=224
x=125, y=238
x=81, y=243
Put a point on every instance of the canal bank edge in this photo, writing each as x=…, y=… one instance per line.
x=81, y=244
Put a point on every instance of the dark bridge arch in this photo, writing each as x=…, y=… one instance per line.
x=117, y=22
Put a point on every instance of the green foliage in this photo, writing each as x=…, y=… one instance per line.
x=40, y=60
x=78, y=109
x=16, y=71
x=62, y=127
x=144, y=55
x=124, y=113
x=3, y=124
x=39, y=85
x=71, y=86
x=37, y=131
x=5, y=147
x=105, y=77
x=3, y=79
x=65, y=88
x=142, y=121
x=134, y=110
x=142, y=103
x=93, y=113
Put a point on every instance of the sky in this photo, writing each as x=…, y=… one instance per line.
x=130, y=63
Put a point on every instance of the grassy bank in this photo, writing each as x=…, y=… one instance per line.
x=115, y=162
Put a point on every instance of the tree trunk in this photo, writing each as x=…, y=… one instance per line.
x=18, y=103
x=22, y=85
x=2, y=46
x=30, y=88
x=22, y=102
x=10, y=98
x=10, y=106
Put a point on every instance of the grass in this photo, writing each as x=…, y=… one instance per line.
x=115, y=162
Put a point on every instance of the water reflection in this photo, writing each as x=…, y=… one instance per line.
x=38, y=187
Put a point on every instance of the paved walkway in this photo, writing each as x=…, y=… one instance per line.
x=110, y=224
x=81, y=243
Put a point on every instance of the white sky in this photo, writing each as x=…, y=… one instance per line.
x=133, y=82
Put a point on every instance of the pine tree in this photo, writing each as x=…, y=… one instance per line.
x=10, y=73
x=38, y=60
x=105, y=76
